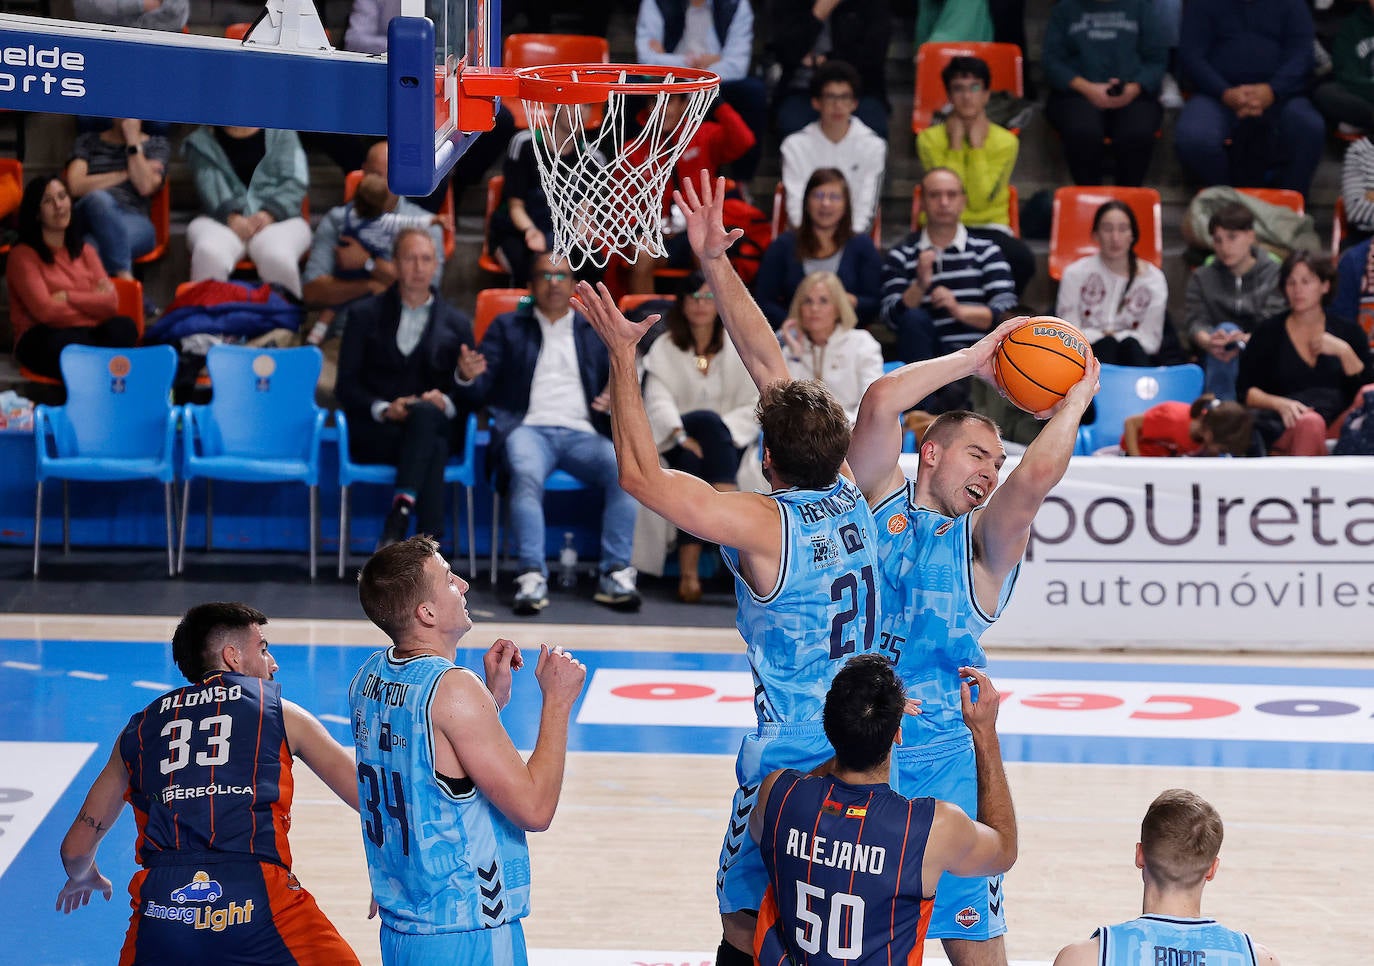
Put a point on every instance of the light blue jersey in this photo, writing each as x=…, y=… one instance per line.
x=931, y=616
x=441, y=857
x=823, y=608
x=1170, y=941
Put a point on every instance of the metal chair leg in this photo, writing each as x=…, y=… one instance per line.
x=167, y=502
x=472, y=536
x=314, y=526
x=66, y=522
x=37, y=526
x=495, y=529
x=181, y=541
x=343, y=531
x=209, y=514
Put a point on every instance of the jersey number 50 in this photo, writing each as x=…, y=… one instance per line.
x=843, y=934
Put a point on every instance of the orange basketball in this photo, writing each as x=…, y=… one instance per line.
x=1039, y=361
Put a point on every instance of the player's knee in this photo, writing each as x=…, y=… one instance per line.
x=738, y=927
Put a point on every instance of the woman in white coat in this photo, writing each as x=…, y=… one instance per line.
x=700, y=401
x=819, y=341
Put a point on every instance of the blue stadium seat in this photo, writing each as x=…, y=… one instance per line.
x=458, y=472
x=262, y=426
x=558, y=482
x=1129, y=390
x=118, y=424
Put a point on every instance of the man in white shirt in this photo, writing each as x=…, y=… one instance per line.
x=838, y=139
x=542, y=373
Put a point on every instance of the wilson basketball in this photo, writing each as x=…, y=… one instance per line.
x=1039, y=361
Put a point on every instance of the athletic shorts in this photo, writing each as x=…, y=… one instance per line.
x=234, y=912
x=741, y=879
x=964, y=908
x=502, y=945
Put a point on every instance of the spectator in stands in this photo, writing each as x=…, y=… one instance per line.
x=1105, y=60
x=943, y=288
x=251, y=183
x=543, y=379
x=1233, y=291
x=341, y=267
x=716, y=35
x=1248, y=61
x=1205, y=427
x=722, y=137
x=113, y=173
x=820, y=342
x=146, y=14
x=1354, y=299
x=1300, y=371
x=1357, y=192
x=1346, y=97
x=59, y=292
x=700, y=400
x=522, y=225
x=1117, y=300
x=397, y=364
x=807, y=34
x=983, y=155
x=938, y=21
x=826, y=241
x=837, y=140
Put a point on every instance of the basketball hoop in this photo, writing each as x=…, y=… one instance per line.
x=603, y=173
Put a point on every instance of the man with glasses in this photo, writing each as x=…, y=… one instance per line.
x=983, y=155
x=542, y=374
x=838, y=139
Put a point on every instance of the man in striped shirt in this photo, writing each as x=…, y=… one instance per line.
x=944, y=289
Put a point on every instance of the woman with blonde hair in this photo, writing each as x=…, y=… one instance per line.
x=820, y=341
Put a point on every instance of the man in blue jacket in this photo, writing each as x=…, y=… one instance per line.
x=1249, y=62
x=542, y=373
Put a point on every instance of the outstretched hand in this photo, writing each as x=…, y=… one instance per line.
x=1080, y=393
x=78, y=891
x=598, y=305
x=985, y=348
x=705, y=213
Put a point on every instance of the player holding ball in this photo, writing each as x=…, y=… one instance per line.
x=950, y=547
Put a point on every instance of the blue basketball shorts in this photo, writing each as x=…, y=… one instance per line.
x=502, y=945
x=964, y=908
x=741, y=879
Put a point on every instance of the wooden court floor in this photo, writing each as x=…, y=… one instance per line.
x=629, y=862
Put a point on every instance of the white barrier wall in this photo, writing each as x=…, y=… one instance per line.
x=1273, y=554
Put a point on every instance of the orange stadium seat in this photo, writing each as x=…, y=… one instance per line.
x=1071, y=225
x=534, y=50
x=1283, y=197
x=1004, y=64
x=487, y=261
x=492, y=302
x=160, y=212
x=1339, y=227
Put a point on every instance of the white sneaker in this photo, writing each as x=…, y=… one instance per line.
x=617, y=589
x=1170, y=97
x=531, y=593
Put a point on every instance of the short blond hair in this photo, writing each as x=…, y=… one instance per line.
x=847, y=319
x=1180, y=837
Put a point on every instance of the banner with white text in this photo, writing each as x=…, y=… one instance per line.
x=1199, y=553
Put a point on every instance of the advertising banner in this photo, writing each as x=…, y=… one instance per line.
x=1199, y=553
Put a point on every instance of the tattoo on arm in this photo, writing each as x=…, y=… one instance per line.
x=88, y=820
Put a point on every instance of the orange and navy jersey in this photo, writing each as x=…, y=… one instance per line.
x=210, y=771
x=844, y=874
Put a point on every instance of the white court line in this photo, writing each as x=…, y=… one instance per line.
x=23, y=666
x=88, y=675
x=659, y=957
x=334, y=718
x=153, y=686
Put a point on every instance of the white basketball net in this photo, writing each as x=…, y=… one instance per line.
x=605, y=189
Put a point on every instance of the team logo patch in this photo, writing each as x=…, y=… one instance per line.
x=856, y=811
x=943, y=528
x=896, y=523
x=201, y=888
x=968, y=917
x=823, y=551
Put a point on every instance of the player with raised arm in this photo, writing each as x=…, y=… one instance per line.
x=951, y=543
x=802, y=555
x=444, y=796
x=1180, y=837
x=851, y=864
x=207, y=769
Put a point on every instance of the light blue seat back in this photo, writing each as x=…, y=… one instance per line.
x=1130, y=390
x=117, y=402
x=263, y=404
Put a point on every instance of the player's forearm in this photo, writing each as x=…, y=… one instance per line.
x=635, y=449
x=994, y=796
x=80, y=844
x=750, y=333
x=1047, y=457
x=546, y=766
